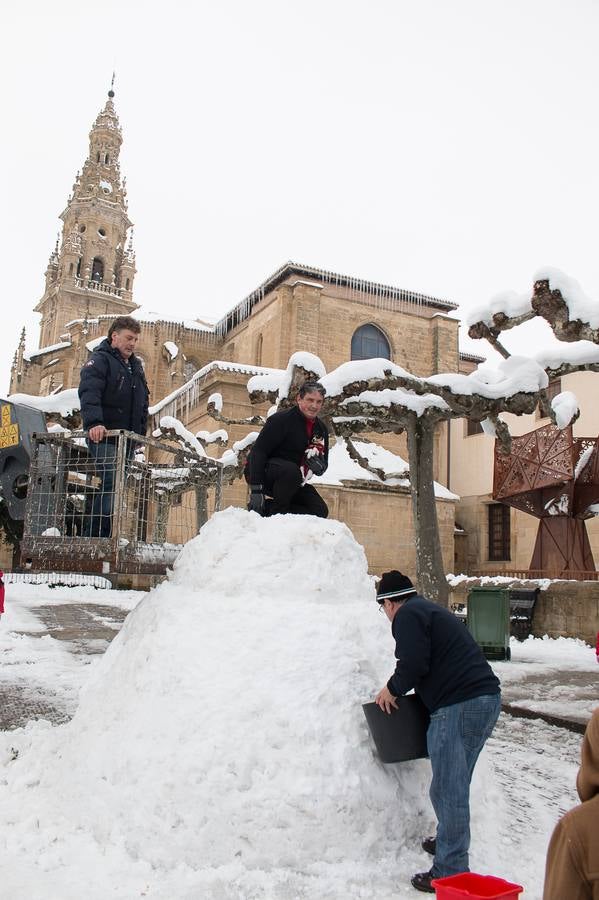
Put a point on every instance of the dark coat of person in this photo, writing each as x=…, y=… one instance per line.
x=284, y=436
x=113, y=392
x=437, y=656
x=572, y=870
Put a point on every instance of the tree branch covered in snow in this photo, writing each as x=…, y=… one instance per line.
x=378, y=396
x=175, y=430
x=381, y=473
x=217, y=415
x=558, y=300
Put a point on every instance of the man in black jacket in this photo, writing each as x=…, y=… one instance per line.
x=114, y=395
x=292, y=444
x=438, y=657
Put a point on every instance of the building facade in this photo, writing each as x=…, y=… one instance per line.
x=90, y=280
x=492, y=537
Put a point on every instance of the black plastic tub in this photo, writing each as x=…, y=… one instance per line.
x=401, y=734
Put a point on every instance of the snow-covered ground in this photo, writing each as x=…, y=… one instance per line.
x=218, y=750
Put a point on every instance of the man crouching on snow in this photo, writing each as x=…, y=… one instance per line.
x=293, y=445
x=440, y=659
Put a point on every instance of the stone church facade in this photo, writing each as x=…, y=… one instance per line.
x=90, y=279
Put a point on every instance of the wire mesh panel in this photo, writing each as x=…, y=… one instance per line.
x=127, y=504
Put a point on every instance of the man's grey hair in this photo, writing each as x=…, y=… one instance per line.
x=309, y=387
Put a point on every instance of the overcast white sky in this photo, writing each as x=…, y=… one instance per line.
x=444, y=146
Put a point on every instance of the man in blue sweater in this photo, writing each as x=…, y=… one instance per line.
x=114, y=395
x=438, y=658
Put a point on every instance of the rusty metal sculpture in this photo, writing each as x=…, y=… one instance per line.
x=554, y=476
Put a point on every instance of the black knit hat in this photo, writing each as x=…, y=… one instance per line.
x=394, y=586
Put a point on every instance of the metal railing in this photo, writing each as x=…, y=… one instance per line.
x=90, y=284
x=535, y=574
x=125, y=505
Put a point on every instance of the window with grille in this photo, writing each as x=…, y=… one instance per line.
x=473, y=427
x=499, y=531
x=369, y=342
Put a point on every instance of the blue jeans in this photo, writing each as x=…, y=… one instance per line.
x=455, y=737
x=99, y=517
x=104, y=454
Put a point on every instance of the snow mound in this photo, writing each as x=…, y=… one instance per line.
x=220, y=740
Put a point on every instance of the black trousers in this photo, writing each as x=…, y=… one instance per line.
x=283, y=482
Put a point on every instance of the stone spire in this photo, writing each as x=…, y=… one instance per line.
x=16, y=372
x=91, y=270
x=101, y=176
x=52, y=269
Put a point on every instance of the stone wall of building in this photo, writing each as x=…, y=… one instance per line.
x=379, y=516
x=381, y=521
x=566, y=609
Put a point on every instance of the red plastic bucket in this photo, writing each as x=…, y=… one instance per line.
x=475, y=887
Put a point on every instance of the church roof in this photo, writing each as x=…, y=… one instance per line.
x=381, y=295
x=472, y=357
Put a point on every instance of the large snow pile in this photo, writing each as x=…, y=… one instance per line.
x=219, y=749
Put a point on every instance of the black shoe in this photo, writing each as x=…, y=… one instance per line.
x=422, y=882
x=430, y=845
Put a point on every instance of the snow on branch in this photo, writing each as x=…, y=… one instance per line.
x=219, y=437
x=564, y=409
x=282, y=387
x=174, y=429
x=556, y=297
x=365, y=454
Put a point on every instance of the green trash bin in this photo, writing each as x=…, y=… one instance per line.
x=488, y=620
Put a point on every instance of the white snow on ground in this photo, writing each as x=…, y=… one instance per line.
x=35, y=661
x=219, y=750
x=536, y=676
x=21, y=596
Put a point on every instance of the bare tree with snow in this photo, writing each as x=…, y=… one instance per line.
x=378, y=396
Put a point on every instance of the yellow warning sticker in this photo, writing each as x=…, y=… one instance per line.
x=9, y=433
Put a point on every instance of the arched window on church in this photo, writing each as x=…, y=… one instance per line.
x=79, y=268
x=259, y=344
x=127, y=283
x=97, y=269
x=98, y=156
x=190, y=367
x=107, y=159
x=369, y=342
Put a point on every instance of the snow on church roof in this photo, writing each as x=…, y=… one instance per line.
x=29, y=355
x=150, y=318
x=65, y=403
x=216, y=364
x=382, y=295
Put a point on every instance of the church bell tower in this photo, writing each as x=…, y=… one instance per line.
x=92, y=268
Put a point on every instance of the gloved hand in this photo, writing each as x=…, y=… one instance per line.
x=317, y=464
x=256, y=502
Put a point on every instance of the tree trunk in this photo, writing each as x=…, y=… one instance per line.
x=430, y=572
